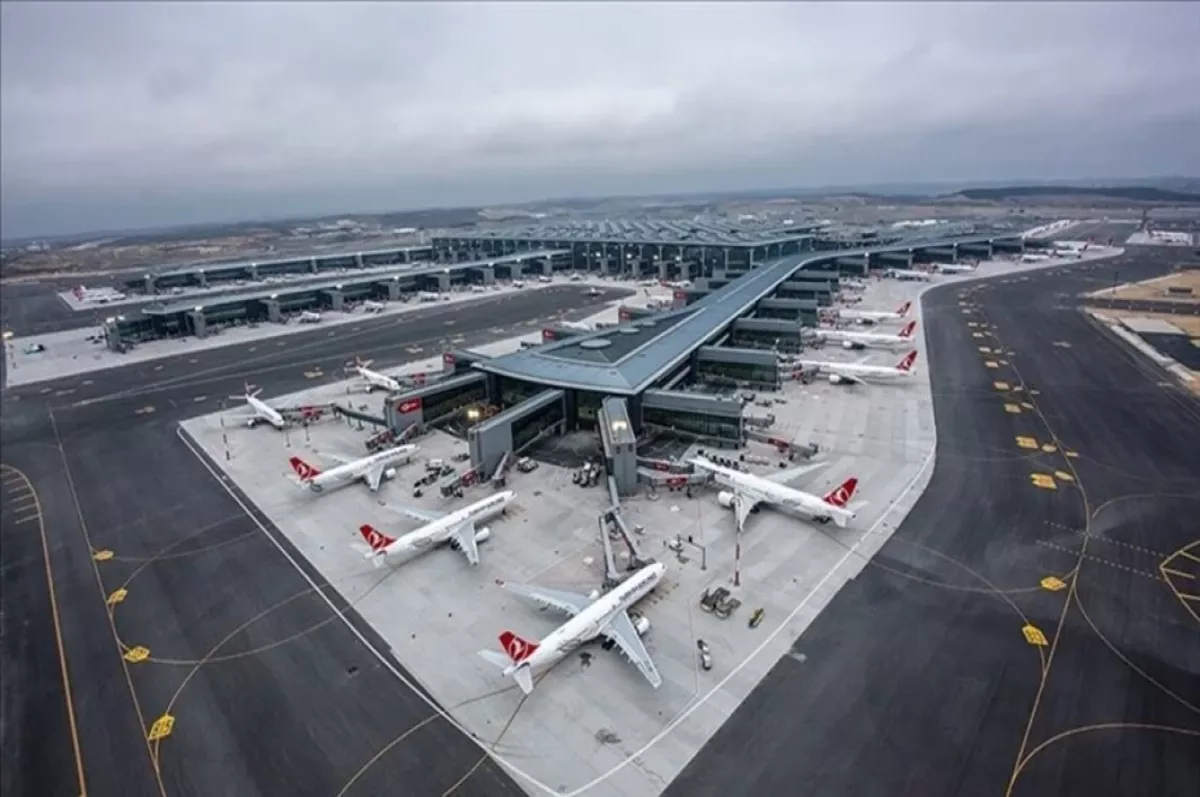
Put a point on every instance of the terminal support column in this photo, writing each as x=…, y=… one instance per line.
x=199, y=325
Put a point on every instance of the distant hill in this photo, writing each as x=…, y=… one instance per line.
x=1127, y=193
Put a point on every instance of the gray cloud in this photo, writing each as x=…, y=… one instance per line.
x=120, y=115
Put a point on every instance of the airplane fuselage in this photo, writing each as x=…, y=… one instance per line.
x=352, y=471
x=590, y=623
x=780, y=495
x=374, y=379
x=265, y=412
x=868, y=339
x=440, y=531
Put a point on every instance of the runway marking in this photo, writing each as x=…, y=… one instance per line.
x=117, y=596
x=985, y=350
x=160, y=367
x=1063, y=476
x=1000, y=385
x=137, y=707
x=1109, y=540
x=12, y=475
x=1044, y=481
x=1053, y=584
x=1179, y=573
x=991, y=364
x=137, y=654
x=1062, y=344
x=1027, y=442
x=148, y=409
x=972, y=324
x=1049, y=448
x=1034, y=636
x=1026, y=405
x=1134, y=726
x=102, y=556
x=1100, y=560
x=977, y=334
x=1004, y=362
x=199, y=399
x=161, y=728
x=1012, y=408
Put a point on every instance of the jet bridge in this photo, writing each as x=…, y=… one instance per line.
x=620, y=446
x=515, y=429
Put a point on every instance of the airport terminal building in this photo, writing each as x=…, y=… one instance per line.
x=681, y=369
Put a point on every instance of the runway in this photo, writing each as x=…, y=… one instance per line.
x=173, y=602
x=1010, y=639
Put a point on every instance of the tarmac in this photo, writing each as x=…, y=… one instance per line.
x=267, y=685
x=1007, y=614
x=562, y=739
x=71, y=352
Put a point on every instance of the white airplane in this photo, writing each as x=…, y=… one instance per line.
x=375, y=379
x=309, y=317
x=859, y=373
x=1034, y=258
x=746, y=491
x=428, y=296
x=906, y=274
x=262, y=410
x=590, y=617
x=579, y=326
x=875, y=316
x=457, y=528
x=953, y=268
x=372, y=470
x=861, y=340
x=370, y=306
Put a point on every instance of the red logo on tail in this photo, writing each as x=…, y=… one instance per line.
x=305, y=471
x=517, y=649
x=375, y=539
x=842, y=495
x=908, y=329
x=907, y=362
x=903, y=311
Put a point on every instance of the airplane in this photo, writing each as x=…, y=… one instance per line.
x=953, y=268
x=309, y=317
x=909, y=274
x=860, y=374
x=372, y=470
x=1035, y=258
x=370, y=306
x=428, y=296
x=746, y=491
x=375, y=379
x=579, y=326
x=590, y=617
x=861, y=340
x=262, y=410
x=456, y=528
x=875, y=316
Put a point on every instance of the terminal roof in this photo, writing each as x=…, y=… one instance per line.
x=244, y=264
x=657, y=232
x=284, y=290
x=627, y=359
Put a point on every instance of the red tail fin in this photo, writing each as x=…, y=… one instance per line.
x=903, y=311
x=517, y=649
x=375, y=538
x=907, y=362
x=842, y=495
x=305, y=471
x=908, y=329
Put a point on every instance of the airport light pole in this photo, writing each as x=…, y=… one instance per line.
x=224, y=435
x=737, y=560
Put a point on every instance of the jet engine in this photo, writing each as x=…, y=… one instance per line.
x=389, y=473
x=851, y=345
x=251, y=423
x=725, y=499
x=641, y=623
x=834, y=379
x=481, y=535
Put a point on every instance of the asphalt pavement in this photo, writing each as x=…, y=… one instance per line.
x=172, y=601
x=1016, y=636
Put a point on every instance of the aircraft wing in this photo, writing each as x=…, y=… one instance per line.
x=743, y=505
x=621, y=631
x=418, y=514
x=569, y=603
x=791, y=474
x=464, y=536
x=374, y=476
x=338, y=458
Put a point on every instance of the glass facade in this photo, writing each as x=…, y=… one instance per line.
x=587, y=406
x=533, y=424
x=438, y=405
x=514, y=391
x=757, y=374
x=696, y=423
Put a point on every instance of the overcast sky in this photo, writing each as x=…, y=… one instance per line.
x=145, y=114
